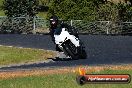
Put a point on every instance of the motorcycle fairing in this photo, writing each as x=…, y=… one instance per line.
x=64, y=35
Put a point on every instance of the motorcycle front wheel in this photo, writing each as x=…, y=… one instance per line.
x=70, y=53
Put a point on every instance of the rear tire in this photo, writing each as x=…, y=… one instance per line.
x=83, y=55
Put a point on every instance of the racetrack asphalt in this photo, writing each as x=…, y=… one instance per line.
x=101, y=50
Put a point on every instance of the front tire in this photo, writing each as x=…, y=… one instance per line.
x=70, y=53
x=82, y=53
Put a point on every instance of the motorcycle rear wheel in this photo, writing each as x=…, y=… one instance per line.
x=83, y=55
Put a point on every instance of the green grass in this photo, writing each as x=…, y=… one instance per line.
x=1, y=2
x=2, y=13
x=42, y=15
x=59, y=81
x=12, y=55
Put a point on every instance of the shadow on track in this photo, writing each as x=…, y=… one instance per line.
x=62, y=59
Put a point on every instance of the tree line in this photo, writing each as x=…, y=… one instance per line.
x=90, y=10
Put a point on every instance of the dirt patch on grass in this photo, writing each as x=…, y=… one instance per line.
x=34, y=72
x=110, y=67
x=38, y=72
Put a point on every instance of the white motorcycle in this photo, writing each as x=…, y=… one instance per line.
x=70, y=45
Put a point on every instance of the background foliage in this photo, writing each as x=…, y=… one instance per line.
x=109, y=14
x=17, y=8
x=91, y=10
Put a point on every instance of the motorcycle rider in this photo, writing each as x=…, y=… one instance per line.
x=56, y=26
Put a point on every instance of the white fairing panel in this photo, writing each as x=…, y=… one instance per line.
x=60, y=38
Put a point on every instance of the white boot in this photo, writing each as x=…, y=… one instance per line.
x=62, y=55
